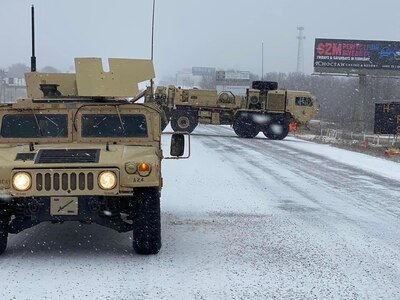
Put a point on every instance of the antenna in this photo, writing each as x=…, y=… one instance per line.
x=300, y=52
x=152, y=46
x=262, y=61
x=33, y=57
x=152, y=31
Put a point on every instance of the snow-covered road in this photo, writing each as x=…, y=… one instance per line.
x=242, y=219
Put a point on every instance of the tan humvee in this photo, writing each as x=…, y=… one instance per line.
x=72, y=152
x=270, y=110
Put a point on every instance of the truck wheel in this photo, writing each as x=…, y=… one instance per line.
x=3, y=232
x=147, y=221
x=245, y=127
x=276, y=130
x=182, y=120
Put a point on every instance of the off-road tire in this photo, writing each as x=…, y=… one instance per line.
x=147, y=221
x=184, y=120
x=245, y=127
x=3, y=231
x=272, y=134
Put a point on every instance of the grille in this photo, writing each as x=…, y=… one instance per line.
x=62, y=181
x=59, y=156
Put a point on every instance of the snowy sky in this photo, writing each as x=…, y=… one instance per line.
x=209, y=33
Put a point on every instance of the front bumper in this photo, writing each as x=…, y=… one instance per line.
x=105, y=211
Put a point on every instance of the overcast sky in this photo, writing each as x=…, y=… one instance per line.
x=210, y=33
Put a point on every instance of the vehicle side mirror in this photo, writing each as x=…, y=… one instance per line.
x=177, y=144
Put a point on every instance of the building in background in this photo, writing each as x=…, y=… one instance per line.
x=11, y=88
x=186, y=79
x=234, y=81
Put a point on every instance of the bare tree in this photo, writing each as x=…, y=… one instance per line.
x=17, y=70
x=49, y=69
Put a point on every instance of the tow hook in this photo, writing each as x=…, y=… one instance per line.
x=34, y=207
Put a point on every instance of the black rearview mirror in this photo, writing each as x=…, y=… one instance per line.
x=177, y=144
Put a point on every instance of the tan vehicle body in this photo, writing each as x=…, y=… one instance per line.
x=125, y=151
x=77, y=150
x=278, y=108
x=91, y=81
x=275, y=102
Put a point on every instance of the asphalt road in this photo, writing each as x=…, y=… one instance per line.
x=242, y=219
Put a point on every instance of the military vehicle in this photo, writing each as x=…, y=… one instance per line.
x=72, y=151
x=265, y=108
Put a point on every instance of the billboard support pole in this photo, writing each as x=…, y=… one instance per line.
x=369, y=104
x=365, y=107
x=362, y=87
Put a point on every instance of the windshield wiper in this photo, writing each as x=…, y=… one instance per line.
x=37, y=123
x=51, y=121
x=120, y=119
x=56, y=125
x=101, y=121
x=60, y=131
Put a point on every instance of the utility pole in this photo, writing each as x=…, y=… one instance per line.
x=300, y=50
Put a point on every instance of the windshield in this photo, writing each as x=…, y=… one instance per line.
x=114, y=126
x=34, y=126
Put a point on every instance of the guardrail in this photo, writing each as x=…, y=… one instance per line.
x=373, y=139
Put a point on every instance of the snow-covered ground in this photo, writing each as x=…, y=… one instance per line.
x=242, y=219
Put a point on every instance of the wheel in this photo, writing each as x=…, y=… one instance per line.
x=147, y=221
x=183, y=120
x=245, y=127
x=4, y=220
x=276, y=129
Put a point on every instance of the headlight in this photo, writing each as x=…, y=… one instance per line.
x=22, y=181
x=144, y=169
x=107, y=180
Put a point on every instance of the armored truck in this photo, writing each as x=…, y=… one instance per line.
x=264, y=108
x=75, y=150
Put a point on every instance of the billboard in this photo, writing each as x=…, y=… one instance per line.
x=237, y=90
x=362, y=57
x=202, y=71
x=233, y=75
